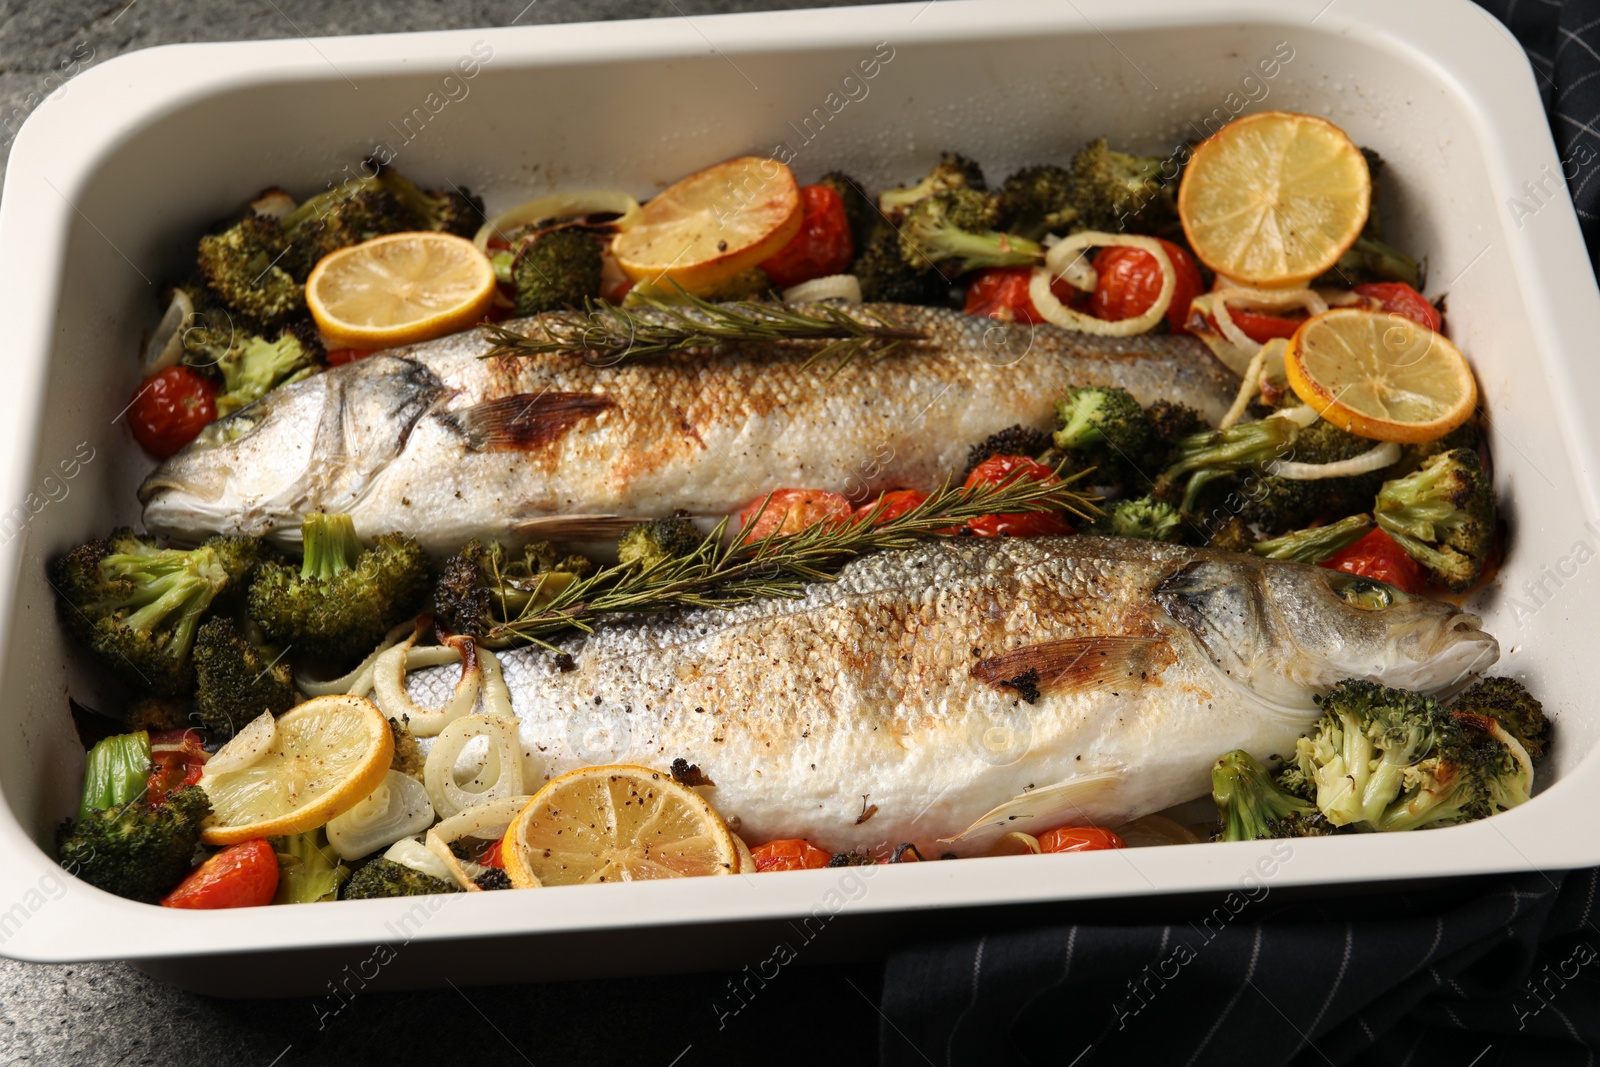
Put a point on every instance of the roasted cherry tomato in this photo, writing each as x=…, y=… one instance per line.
x=338, y=356
x=1261, y=327
x=177, y=759
x=1130, y=282
x=491, y=855
x=788, y=511
x=170, y=409
x=240, y=876
x=998, y=470
x=1002, y=293
x=1380, y=556
x=1079, y=839
x=790, y=854
x=1400, y=299
x=823, y=245
x=895, y=503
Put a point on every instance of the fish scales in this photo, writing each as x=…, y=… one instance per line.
x=867, y=691
x=438, y=443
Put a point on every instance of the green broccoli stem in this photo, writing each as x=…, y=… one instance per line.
x=168, y=585
x=331, y=545
x=117, y=773
x=319, y=205
x=308, y=871
x=1317, y=543
x=1245, y=446
x=977, y=251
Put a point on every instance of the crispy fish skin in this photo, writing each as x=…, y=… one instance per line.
x=435, y=442
x=893, y=687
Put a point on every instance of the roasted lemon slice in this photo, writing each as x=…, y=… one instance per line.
x=318, y=760
x=1274, y=199
x=616, y=824
x=400, y=289
x=711, y=225
x=1380, y=375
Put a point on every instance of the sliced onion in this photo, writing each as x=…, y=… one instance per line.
x=247, y=746
x=496, y=694
x=846, y=287
x=1249, y=385
x=498, y=776
x=389, y=683
x=1374, y=459
x=561, y=206
x=411, y=852
x=165, y=347
x=487, y=820
x=357, y=682
x=273, y=204
x=1156, y=830
x=397, y=808
x=1015, y=843
x=1061, y=258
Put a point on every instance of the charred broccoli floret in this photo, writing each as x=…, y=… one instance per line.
x=858, y=207
x=1251, y=807
x=255, y=367
x=1118, y=192
x=559, y=269
x=384, y=877
x=1143, y=519
x=450, y=210
x=1105, y=428
x=483, y=591
x=241, y=266
x=887, y=277
x=1012, y=441
x=1036, y=201
x=957, y=226
x=308, y=869
x=343, y=598
x=951, y=172
x=137, y=850
x=1316, y=543
x=656, y=541
x=1168, y=421
x=1508, y=703
x=1443, y=515
x=1388, y=759
x=137, y=606
x=408, y=759
x=1231, y=535
x=235, y=681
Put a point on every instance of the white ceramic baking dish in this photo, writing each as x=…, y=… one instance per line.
x=113, y=177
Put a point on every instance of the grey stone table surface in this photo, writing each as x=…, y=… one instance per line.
x=111, y=1014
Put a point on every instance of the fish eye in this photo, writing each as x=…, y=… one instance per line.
x=1364, y=593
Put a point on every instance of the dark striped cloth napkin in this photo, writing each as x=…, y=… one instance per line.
x=1490, y=972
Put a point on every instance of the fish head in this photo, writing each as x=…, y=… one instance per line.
x=1288, y=631
x=315, y=444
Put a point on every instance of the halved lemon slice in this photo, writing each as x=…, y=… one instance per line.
x=711, y=225
x=400, y=289
x=1274, y=198
x=325, y=757
x=616, y=824
x=1380, y=375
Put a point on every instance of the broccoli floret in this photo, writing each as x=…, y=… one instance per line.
x=116, y=772
x=1141, y=518
x=157, y=713
x=1372, y=260
x=1251, y=807
x=308, y=869
x=137, y=850
x=241, y=266
x=345, y=215
x=1316, y=543
x=1231, y=535
x=482, y=591
x=409, y=759
x=235, y=681
x=858, y=207
x=137, y=606
x=1388, y=759
x=451, y=210
x=384, y=877
x=1443, y=515
x=853, y=858
x=1105, y=428
x=951, y=172
x=558, y=269
x=1036, y=201
x=1507, y=702
x=255, y=367
x=1118, y=192
x=343, y=598
x=958, y=226
x=656, y=541
x=1012, y=441
x=887, y=277
x=1168, y=421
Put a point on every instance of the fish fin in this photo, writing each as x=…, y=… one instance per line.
x=523, y=422
x=1073, y=665
x=1047, y=806
x=574, y=527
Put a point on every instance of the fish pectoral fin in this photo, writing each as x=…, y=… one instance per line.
x=574, y=527
x=1048, y=806
x=1074, y=664
x=523, y=422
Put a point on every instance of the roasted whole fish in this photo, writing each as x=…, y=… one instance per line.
x=971, y=686
x=438, y=443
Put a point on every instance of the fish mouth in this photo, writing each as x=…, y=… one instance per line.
x=1461, y=651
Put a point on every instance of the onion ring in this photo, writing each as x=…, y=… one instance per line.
x=499, y=777
x=389, y=683
x=1060, y=259
x=561, y=206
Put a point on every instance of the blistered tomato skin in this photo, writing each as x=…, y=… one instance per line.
x=788, y=511
x=822, y=247
x=170, y=409
x=1129, y=283
x=240, y=876
x=1398, y=298
x=790, y=854
x=1079, y=839
x=1380, y=556
x=894, y=504
x=999, y=470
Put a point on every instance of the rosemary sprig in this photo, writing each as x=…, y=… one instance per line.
x=724, y=571
x=607, y=334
